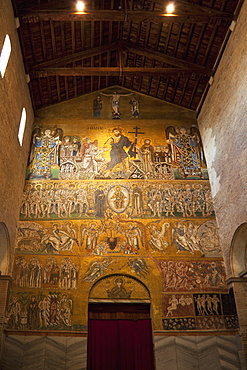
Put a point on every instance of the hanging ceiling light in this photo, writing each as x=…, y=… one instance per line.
x=170, y=8
x=80, y=6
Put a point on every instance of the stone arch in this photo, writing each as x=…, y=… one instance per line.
x=239, y=250
x=4, y=249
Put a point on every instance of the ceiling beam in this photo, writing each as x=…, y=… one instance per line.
x=77, y=56
x=116, y=71
x=136, y=49
x=31, y=16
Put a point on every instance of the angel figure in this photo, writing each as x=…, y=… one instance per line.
x=91, y=234
x=157, y=234
x=97, y=268
x=111, y=231
x=138, y=266
x=133, y=236
x=186, y=147
x=44, y=152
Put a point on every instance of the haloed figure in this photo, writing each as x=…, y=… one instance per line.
x=117, y=154
x=97, y=106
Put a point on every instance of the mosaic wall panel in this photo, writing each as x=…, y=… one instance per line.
x=199, y=312
x=124, y=236
x=114, y=210
x=120, y=287
x=117, y=152
x=98, y=199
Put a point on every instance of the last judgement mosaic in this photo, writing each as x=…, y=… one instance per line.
x=118, y=212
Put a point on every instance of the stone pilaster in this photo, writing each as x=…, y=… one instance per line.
x=4, y=285
x=239, y=286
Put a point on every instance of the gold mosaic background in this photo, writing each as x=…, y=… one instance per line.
x=118, y=210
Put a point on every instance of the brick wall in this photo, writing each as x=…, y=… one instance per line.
x=14, y=96
x=222, y=123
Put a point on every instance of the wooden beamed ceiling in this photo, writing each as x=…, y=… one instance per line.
x=36, y=15
x=133, y=44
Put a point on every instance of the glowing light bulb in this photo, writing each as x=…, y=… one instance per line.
x=80, y=6
x=170, y=8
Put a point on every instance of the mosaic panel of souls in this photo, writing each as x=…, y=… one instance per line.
x=199, y=311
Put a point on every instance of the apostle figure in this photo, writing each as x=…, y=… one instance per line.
x=99, y=202
x=146, y=155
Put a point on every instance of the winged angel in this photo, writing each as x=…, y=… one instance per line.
x=44, y=152
x=97, y=269
x=91, y=235
x=186, y=147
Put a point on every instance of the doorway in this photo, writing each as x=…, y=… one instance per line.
x=120, y=337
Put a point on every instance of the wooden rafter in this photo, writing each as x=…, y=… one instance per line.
x=116, y=71
x=162, y=57
x=77, y=56
x=139, y=47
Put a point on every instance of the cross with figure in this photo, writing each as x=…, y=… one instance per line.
x=115, y=101
x=136, y=132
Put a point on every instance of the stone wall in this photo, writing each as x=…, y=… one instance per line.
x=173, y=353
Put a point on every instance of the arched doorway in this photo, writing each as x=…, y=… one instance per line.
x=119, y=325
x=239, y=251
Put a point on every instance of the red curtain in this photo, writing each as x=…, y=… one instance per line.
x=120, y=345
